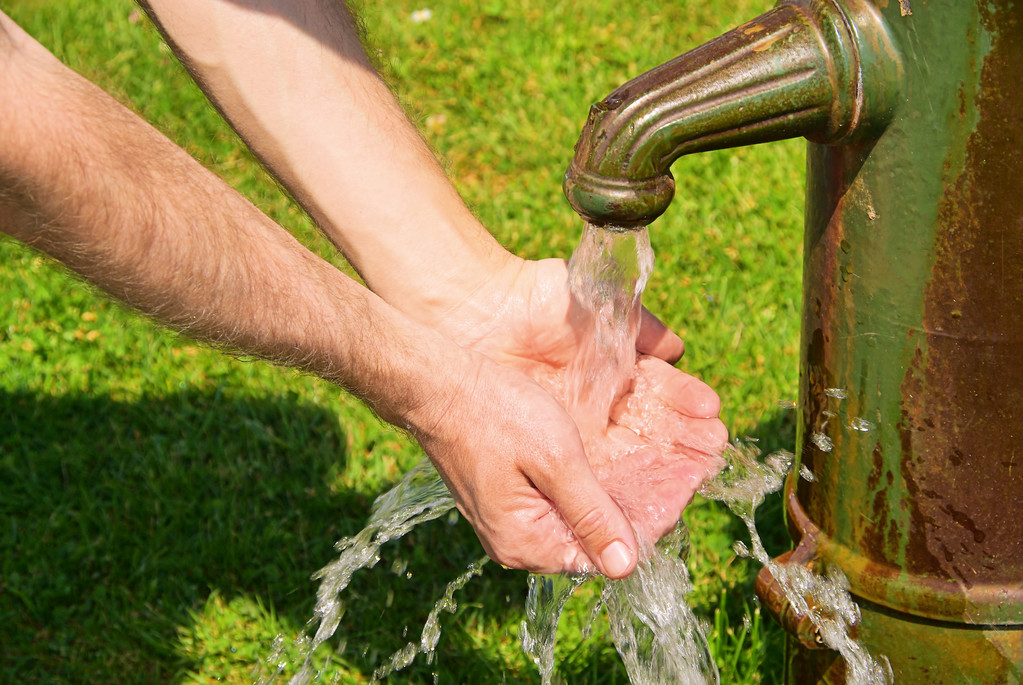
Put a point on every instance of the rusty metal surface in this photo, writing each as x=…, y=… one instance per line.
x=962, y=417
x=780, y=607
x=817, y=68
x=914, y=309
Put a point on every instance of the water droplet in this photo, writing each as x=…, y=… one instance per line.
x=860, y=424
x=822, y=441
x=837, y=393
x=786, y=404
x=806, y=474
x=399, y=566
x=740, y=549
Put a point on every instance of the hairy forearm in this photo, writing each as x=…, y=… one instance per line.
x=90, y=183
x=292, y=77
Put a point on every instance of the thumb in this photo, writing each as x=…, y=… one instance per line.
x=658, y=340
x=599, y=525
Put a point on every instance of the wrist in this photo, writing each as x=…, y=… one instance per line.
x=458, y=270
x=429, y=394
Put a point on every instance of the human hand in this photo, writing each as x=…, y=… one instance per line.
x=514, y=462
x=524, y=316
x=662, y=438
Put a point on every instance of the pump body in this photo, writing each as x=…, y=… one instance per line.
x=912, y=299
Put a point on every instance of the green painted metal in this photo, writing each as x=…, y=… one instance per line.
x=913, y=304
x=912, y=354
x=814, y=68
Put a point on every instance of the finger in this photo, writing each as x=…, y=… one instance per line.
x=658, y=340
x=681, y=391
x=596, y=521
x=700, y=438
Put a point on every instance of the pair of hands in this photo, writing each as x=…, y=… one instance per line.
x=488, y=412
x=540, y=495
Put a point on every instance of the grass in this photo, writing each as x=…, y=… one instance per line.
x=162, y=506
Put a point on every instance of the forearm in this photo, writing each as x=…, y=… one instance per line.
x=93, y=185
x=294, y=81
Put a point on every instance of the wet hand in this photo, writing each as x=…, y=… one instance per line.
x=663, y=440
x=524, y=316
x=663, y=437
x=515, y=464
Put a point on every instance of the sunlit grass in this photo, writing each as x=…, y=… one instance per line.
x=163, y=506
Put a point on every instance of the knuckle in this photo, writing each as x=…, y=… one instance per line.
x=591, y=527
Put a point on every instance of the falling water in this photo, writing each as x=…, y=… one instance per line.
x=420, y=496
x=823, y=598
x=544, y=603
x=607, y=274
x=655, y=631
x=652, y=625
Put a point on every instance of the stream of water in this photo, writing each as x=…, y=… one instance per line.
x=655, y=631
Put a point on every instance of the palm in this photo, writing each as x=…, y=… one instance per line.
x=662, y=437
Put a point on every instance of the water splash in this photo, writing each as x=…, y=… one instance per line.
x=545, y=602
x=654, y=629
x=427, y=643
x=420, y=496
x=822, y=597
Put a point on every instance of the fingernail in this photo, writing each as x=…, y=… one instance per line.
x=616, y=559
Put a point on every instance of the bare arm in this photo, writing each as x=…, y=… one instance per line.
x=88, y=182
x=293, y=79
x=100, y=190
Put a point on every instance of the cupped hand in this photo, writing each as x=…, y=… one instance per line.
x=514, y=462
x=663, y=437
x=663, y=440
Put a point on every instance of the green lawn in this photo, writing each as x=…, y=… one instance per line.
x=162, y=506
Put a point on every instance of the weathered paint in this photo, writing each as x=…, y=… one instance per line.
x=913, y=299
x=913, y=286
x=805, y=68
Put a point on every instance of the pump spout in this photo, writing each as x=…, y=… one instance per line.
x=823, y=69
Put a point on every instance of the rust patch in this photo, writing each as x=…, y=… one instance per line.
x=883, y=524
x=963, y=398
x=916, y=553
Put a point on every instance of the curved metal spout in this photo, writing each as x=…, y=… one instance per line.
x=824, y=69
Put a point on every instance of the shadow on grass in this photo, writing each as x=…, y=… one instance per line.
x=118, y=519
